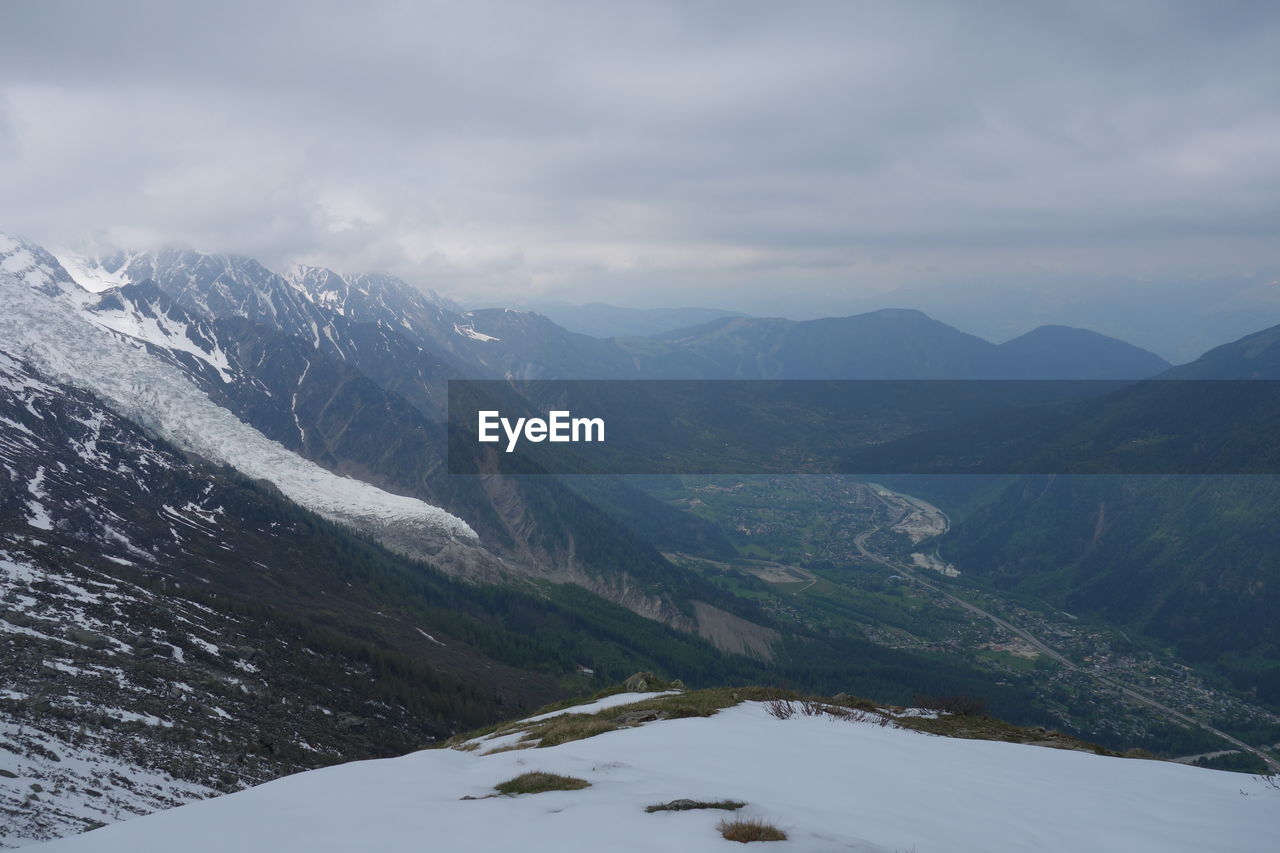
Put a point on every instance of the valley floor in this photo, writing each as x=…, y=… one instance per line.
x=844, y=556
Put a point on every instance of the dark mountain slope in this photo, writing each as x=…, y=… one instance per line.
x=1255, y=356
x=1062, y=352
x=1191, y=561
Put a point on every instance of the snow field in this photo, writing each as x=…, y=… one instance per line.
x=829, y=784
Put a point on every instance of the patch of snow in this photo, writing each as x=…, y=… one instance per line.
x=205, y=645
x=87, y=273
x=829, y=784
x=601, y=704
x=429, y=637
x=37, y=514
x=122, y=788
x=164, y=332
x=470, y=332
x=20, y=260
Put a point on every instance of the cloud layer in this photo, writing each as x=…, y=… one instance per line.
x=652, y=153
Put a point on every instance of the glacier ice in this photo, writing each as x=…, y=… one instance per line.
x=41, y=324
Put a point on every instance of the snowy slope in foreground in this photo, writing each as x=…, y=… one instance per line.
x=40, y=324
x=829, y=784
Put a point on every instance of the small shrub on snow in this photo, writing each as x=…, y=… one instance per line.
x=780, y=708
x=750, y=829
x=536, y=782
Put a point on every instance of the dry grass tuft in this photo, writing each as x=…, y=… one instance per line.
x=536, y=782
x=569, y=727
x=690, y=805
x=750, y=829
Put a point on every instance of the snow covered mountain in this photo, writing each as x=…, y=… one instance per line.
x=358, y=386
x=658, y=776
x=157, y=614
x=43, y=326
x=171, y=630
x=372, y=297
x=210, y=286
x=326, y=307
x=158, y=610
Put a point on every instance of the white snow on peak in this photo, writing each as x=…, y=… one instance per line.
x=828, y=784
x=57, y=339
x=161, y=331
x=92, y=278
x=33, y=266
x=470, y=332
x=90, y=275
x=324, y=287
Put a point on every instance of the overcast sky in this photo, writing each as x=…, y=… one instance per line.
x=755, y=156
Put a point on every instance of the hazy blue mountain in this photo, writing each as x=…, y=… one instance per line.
x=1255, y=356
x=1063, y=352
x=888, y=344
x=601, y=320
x=905, y=344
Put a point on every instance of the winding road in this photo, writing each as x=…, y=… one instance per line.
x=1039, y=645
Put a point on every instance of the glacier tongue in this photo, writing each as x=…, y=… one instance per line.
x=51, y=334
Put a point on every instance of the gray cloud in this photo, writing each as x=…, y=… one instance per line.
x=649, y=153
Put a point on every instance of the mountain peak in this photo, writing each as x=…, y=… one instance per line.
x=912, y=314
x=1067, y=352
x=34, y=266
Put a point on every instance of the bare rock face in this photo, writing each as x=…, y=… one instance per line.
x=642, y=682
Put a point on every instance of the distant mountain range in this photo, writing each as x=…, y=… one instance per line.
x=331, y=311
x=885, y=344
x=600, y=320
x=905, y=344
